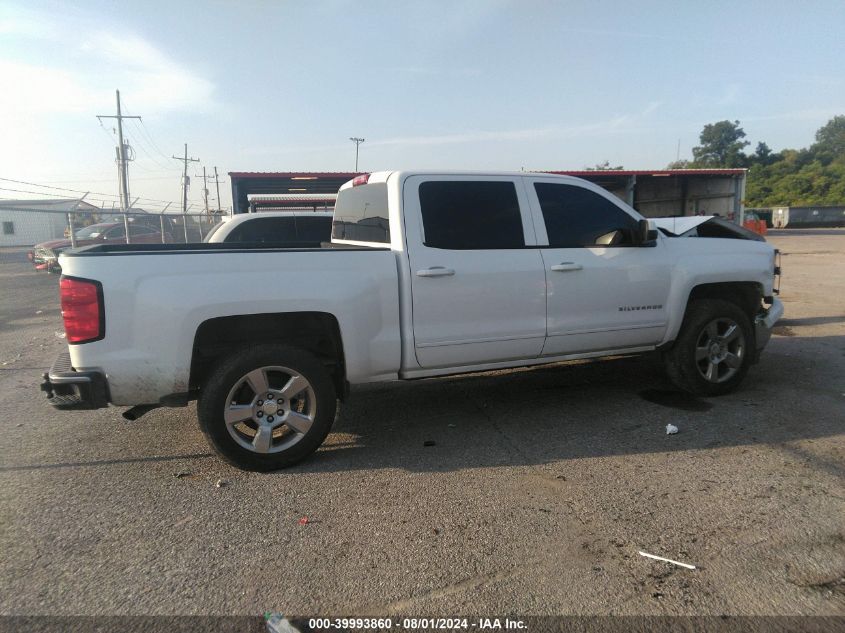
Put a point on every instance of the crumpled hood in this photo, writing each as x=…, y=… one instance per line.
x=706, y=226
x=680, y=225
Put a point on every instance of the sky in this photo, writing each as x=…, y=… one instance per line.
x=281, y=86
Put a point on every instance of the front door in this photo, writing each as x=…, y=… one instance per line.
x=605, y=293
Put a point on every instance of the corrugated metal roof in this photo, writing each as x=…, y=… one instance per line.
x=292, y=197
x=579, y=173
x=295, y=174
x=650, y=172
x=51, y=204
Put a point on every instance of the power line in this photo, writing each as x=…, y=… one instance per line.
x=145, y=145
x=96, y=193
x=66, y=197
x=149, y=136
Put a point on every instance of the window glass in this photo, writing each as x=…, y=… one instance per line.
x=8, y=228
x=118, y=232
x=265, y=230
x=360, y=214
x=135, y=229
x=463, y=215
x=313, y=229
x=577, y=217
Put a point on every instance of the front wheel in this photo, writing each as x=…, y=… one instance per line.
x=713, y=350
x=267, y=407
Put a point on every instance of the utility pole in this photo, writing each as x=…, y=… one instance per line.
x=217, y=182
x=185, y=181
x=357, y=142
x=122, y=161
x=204, y=189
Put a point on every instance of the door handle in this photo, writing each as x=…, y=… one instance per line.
x=435, y=271
x=566, y=267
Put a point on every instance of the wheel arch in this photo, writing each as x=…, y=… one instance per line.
x=314, y=332
x=748, y=295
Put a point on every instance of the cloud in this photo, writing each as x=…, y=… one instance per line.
x=729, y=95
x=614, y=125
x=434, y=71
x=809, y=114
x=76, y=76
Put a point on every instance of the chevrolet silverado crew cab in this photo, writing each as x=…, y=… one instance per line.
x=427, y=274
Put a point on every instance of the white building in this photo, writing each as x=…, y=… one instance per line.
x=29, y=222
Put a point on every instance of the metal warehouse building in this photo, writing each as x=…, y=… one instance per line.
x=27, y=222
x=654, y=193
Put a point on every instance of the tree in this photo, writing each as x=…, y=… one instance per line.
x=763, y=155
x=680, y=164
x=605, y=166
x=830, y=141
x=721, y=146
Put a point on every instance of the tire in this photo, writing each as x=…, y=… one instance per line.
x=236, y=413
x=714, y=348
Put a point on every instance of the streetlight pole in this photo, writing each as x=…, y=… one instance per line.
x=357, y=142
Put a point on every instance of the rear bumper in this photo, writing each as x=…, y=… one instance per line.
x=764, y=323
x=67, y=388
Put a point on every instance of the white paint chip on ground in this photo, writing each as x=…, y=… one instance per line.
x=671, y=429
x=666, y=560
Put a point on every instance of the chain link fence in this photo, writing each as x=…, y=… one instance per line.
x=36, y=237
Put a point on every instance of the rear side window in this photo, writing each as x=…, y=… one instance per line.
x=466, y=215
x=316, y=229
x=360, y=214
x=576, y=217
x=264, y=230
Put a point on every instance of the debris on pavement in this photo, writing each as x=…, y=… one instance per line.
x=184, y=520
x=666, y=560
x=182, y=473
x=221, y=483
x=429, y=443
x=303, y=521
x=671, y=429
x=59, y=335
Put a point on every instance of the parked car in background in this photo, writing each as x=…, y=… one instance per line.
x=45, y=255
x=292, y=229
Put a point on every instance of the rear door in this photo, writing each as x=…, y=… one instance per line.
x=478, y=287
x=604, y=291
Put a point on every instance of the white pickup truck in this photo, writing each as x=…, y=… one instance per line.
x=427, y=274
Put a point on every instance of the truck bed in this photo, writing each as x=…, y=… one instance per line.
x=210, y=248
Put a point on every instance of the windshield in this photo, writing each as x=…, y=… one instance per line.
x=90, y=232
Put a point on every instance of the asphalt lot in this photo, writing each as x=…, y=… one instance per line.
x=540, y=489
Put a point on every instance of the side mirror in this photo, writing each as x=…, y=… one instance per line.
x=646, y=233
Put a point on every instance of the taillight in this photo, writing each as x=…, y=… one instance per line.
x=360, y=180
x=82, y=309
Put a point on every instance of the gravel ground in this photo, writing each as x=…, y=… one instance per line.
x=539, y=491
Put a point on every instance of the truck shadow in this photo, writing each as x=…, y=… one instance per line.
x=583, y=410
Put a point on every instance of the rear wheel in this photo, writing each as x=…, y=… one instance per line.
x=267, y=407
x=713, y=350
